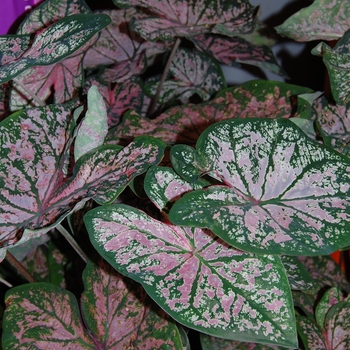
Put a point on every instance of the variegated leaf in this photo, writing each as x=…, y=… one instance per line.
x=235, y=50
x=337, y=61
x=49, y=12
x=281, y=193
x=184, y=124
x=119, y=315
x=186, y=18
x=331, y=297
x=196, y=278
x=306, y=303
x=322, y=20
x=36, y=191
x=56, y=43
x=333, y=121
x=298, y=276
x=310, y=334
x=44, y=316
x=190, y=72
x=120, y=98
x=326, y=272
x=120, y=48
x=12, y=46
x=214, y=343
x=93, y=128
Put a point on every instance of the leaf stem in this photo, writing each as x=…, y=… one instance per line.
x=153, y=104
x=8, y=284
x=19, y=267
x=72, y=242
x=29, y=92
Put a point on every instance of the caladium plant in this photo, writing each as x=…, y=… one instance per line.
x=222, y=204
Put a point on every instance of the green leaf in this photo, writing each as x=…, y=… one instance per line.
x=337, y=61
x=195, y=277
x=281, y=193
x=56, y=43
x=322, y=20
x=93, y=129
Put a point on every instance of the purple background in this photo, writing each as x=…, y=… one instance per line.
x=11, y=10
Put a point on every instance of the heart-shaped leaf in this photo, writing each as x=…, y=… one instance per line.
x=322, y=20
x=235, y=50
x=186, y=18
x=93, y=128
x=196, y=278
x=337, y=61
x=282, y=193
x=116, y=315
x=34, y=189
x=191, y=72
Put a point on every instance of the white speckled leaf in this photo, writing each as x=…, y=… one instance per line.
x=12, y=46
x=235, y=50
x=185, y=18
x=195, y=277
x=190, y=72
x=322, y=20
x=298, y=277
x=310, y=334
x=56, y=43
x=281, y=193
x=331, y=297
x=337, y=61
x=93, y=128
x=35, y=191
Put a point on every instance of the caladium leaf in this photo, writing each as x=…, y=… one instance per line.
x=32, y=148
x=186, y=18
x=184, y=124
x=32, y=308
x=214, y=343
x=56, y=43
x=310, y=334
x=305, y=302
x=298, y=276
x=337, y=61
x=190, y=72
x=49, y=12
x=326, y=272
x=119, y=314
x=282, y=193
x=120, y=48
x=35, y=192
x=120, y=98
x=235, y=50
x=322, y=20
x=116, y=315
x=196, y=278
x=93, y=128
x=333, y=121
x=12, y=46
x=331, y=297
